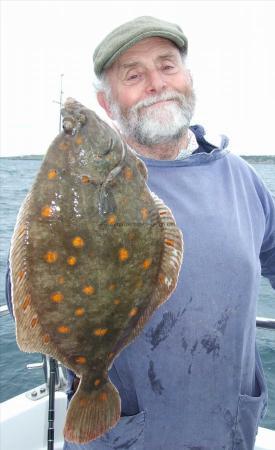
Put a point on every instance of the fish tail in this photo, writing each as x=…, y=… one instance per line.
x=92, y=414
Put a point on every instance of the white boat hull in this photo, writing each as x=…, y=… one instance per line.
x=24, y=423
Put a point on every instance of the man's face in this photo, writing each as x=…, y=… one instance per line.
x=151, y=95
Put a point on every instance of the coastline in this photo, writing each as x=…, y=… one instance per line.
x=254, y=159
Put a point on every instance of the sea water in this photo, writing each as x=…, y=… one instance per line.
x=17, y=176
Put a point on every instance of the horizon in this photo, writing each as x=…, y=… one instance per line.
x=41, y=155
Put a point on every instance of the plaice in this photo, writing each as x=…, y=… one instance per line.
x=93, y=254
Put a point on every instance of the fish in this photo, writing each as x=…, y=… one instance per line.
x=93, y=254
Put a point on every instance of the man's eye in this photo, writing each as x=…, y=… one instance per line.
x=168, y=67
x=132, y=77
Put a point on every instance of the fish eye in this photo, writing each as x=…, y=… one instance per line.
x=110, y=147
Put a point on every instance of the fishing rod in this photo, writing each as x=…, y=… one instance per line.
x=53, y=364
x=60, y=103
x=52, y=378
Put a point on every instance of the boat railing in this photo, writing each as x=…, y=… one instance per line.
x=46, y=365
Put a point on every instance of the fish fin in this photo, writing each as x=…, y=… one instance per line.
x=171, y=260
x=30, y=335
x=91, y=414
x=172, y=254
x=25, y=315
x=170, y=265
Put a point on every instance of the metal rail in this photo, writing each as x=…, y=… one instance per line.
x=265, y=322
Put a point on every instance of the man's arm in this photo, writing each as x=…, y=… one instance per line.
x=267, y=254
x=8, y=290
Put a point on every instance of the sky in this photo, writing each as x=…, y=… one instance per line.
x=231, y=58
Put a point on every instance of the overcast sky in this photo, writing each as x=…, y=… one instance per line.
x=231, y=57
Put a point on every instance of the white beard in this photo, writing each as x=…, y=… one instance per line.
x=159, y=124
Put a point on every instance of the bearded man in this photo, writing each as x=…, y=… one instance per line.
x=193, y=378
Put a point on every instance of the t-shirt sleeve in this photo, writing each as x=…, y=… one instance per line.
x=8, y=290
x=267, y=254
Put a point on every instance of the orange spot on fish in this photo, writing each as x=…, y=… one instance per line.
x=34, y=322
x=78, y=242
x=26, y=302
x=147, y=263
x=144, y=213
x=46, y=338
x=161, y=278
x=79, y=140
x=123, y=254
x=47, y=211
x=52, y=174
x=71, y=260
x=63, y=329
x=169, y=242
x=117, y=301
x=81, y=360
x=51, y=257
x=85, y=179
x=57, y=297
x=111, y=219
x=97, y=382
x=60, y=280
x=111, y=355
x=63, y=146
x=21, y=275
x=133, y=312
x=79, y=312
x=88, y=289
x=101, y=331
x=103, y=396
x=128, y=173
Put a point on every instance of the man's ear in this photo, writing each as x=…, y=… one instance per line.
x=102, y=100
x=189, y=74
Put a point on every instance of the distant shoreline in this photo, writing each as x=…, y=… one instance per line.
x=260, y=159
x=38, y=157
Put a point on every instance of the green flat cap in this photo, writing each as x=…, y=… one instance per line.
x=129, y=33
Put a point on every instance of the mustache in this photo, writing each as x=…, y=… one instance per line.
x=180, y=98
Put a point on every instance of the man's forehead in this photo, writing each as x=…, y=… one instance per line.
x=155, y=46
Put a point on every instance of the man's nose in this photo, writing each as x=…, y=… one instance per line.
x=155, y=82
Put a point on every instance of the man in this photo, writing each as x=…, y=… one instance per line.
x=193, y=378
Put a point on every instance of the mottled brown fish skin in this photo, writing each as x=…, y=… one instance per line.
x=94, y=253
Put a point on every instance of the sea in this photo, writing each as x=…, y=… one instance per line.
x=17, y=175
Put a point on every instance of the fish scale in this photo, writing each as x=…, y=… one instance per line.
x=93, y=254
